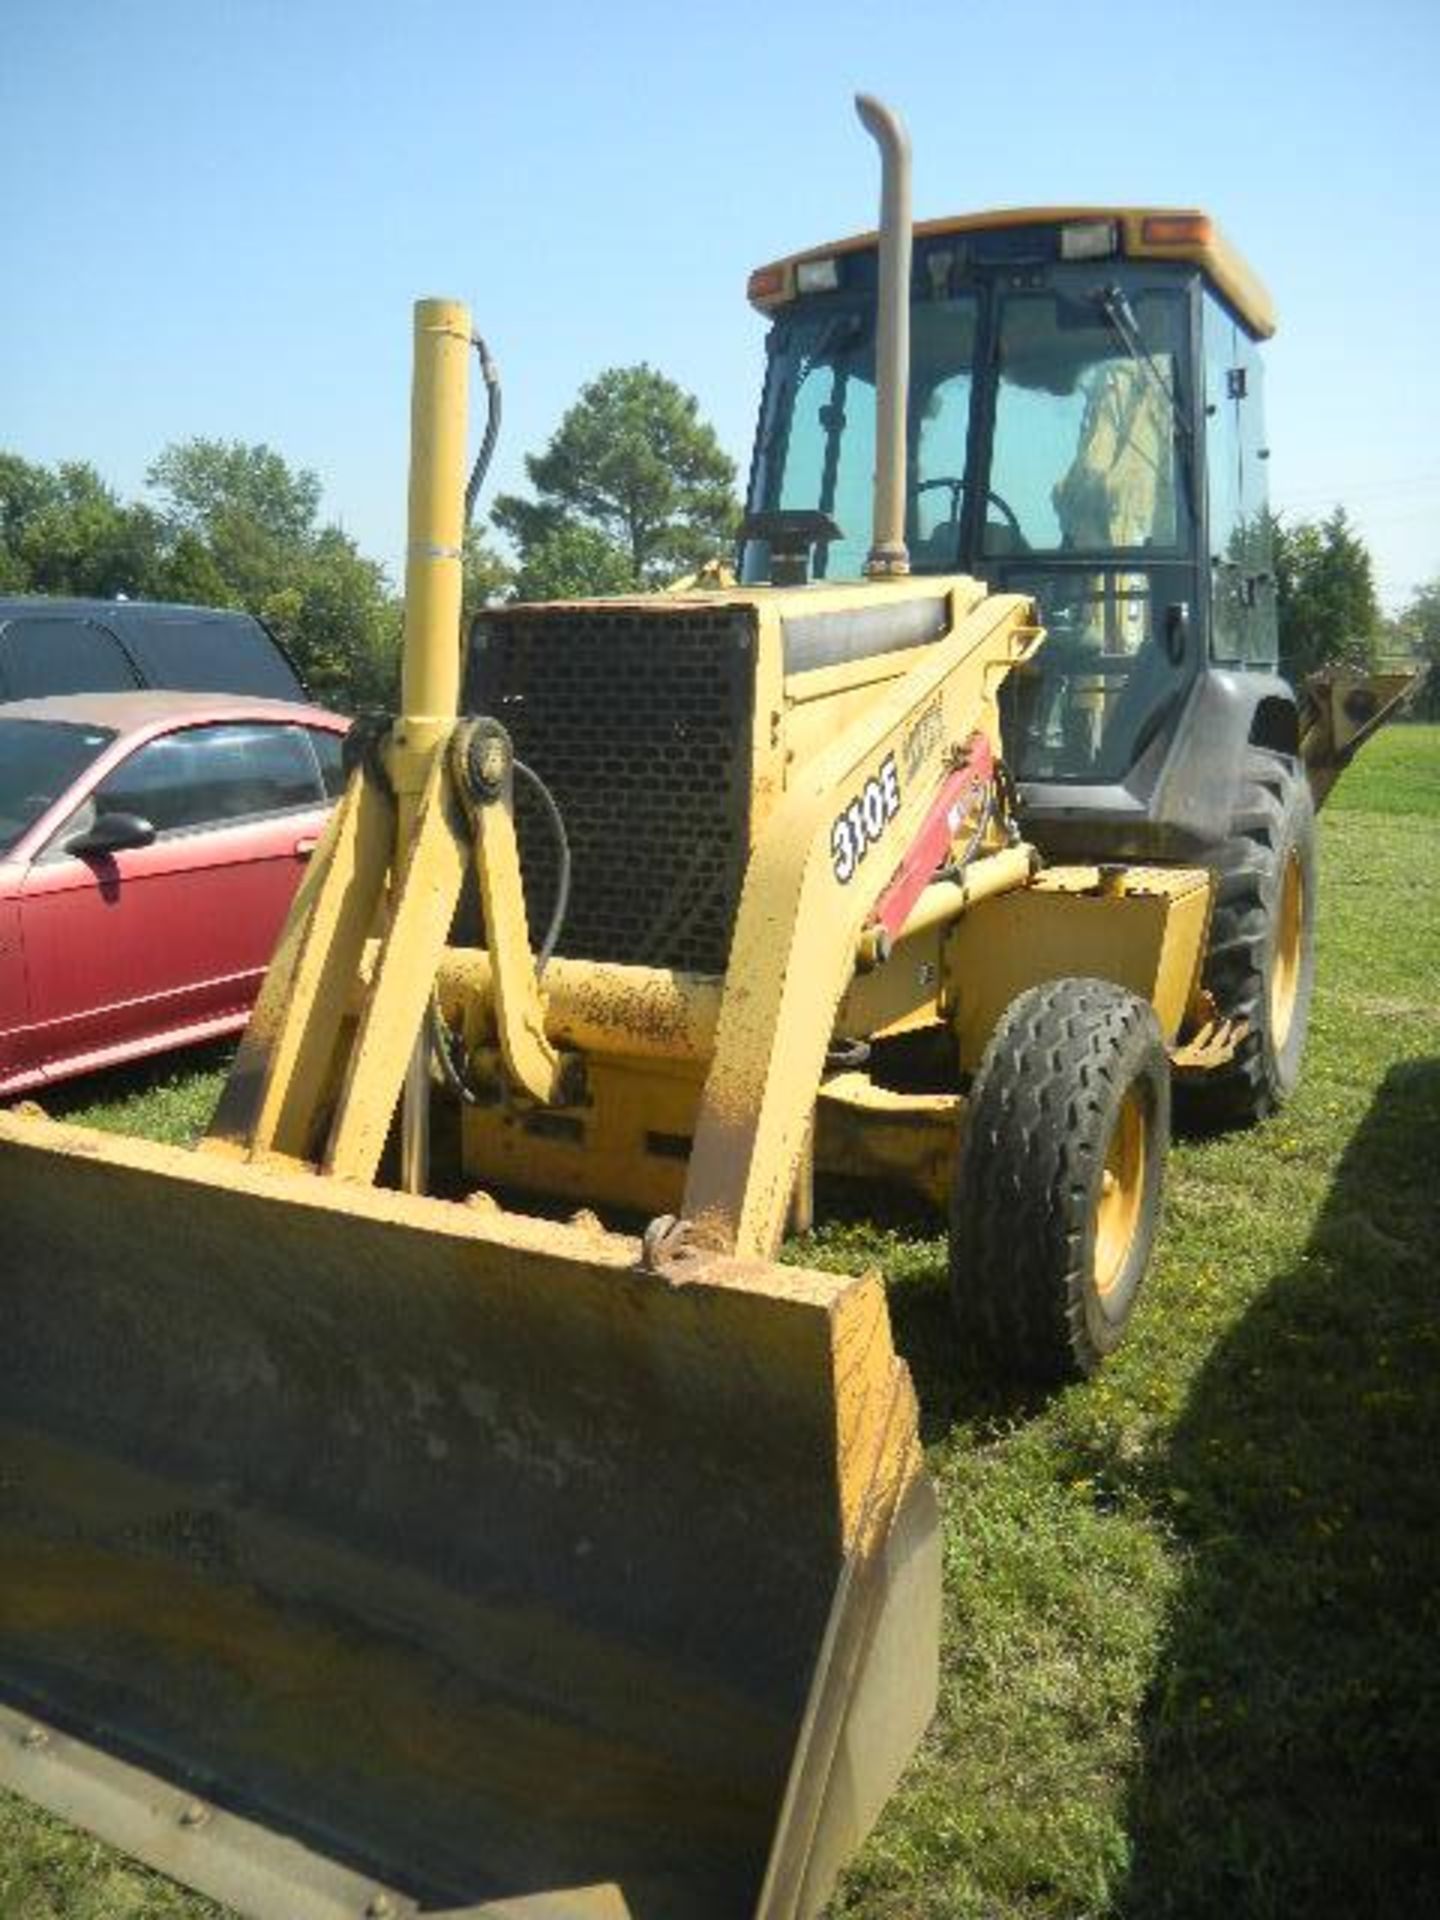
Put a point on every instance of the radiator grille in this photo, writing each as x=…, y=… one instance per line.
x=639, y=722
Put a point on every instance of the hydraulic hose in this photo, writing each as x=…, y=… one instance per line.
x=489, y=373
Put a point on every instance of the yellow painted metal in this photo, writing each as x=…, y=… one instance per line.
x=1339, y=712
x=467, y=1544
x=945, y=900
x=626, y=1146
x=439, y=412
x=867, y=1132
x=394, y=853
x=1122, y=1194
x=235, y=1860
x=1203, y=243
x=1208, y=1043
x=533, y=1065
x=1142, y=927
x=793, y=948
x=288, y=1063
x=1285, y=965
x=395, y=857
x=818, y=726
x=421, y=912
x=640, y=1013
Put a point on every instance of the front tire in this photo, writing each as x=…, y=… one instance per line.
x=1058, y=1185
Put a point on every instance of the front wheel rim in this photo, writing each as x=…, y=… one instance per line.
x=1285, y=966
x=1122, y=1194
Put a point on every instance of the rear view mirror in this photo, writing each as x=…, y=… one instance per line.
x=110, y=833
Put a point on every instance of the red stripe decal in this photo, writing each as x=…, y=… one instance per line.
x=928, y=850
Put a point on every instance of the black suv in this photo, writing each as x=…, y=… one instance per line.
x=113, y=646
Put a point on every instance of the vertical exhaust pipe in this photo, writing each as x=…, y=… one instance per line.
x=889, y=558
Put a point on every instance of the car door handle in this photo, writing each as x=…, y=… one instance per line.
x=306, y=845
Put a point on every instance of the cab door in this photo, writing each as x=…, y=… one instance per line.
x=167, y=939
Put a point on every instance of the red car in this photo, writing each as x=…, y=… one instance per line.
x=149, y=846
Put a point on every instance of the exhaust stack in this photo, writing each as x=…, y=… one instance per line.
x=889, y=558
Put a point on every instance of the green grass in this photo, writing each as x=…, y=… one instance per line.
x=1192, y=1607
x=170, y=1097
x=1396, y=773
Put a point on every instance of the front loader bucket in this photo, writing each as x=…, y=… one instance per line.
x=362, y=1553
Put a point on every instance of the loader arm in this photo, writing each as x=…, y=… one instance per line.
x=822, y=862
x=428, y=796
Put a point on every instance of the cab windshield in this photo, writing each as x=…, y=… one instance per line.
x=817, y=433
x=1050, y=452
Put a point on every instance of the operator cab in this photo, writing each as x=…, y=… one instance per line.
x=1084, y=426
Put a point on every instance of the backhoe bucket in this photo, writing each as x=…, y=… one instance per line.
x=363, y=1553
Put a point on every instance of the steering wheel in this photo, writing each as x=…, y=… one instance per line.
x=958, y=484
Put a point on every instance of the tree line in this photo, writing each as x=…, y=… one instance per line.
x=1329, y=611
x=632, y=491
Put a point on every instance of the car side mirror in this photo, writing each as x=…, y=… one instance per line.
x=110, y=833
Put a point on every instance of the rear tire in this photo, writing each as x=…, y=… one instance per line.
x=1058, y=1184
x=1260, y=966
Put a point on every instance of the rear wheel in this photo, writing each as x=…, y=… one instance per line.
x=1058, y=1184
x=1260, y=967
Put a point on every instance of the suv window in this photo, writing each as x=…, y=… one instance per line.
x=43, y=656
x=203, y=776
x=229, y=654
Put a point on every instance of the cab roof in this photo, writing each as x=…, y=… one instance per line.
x=1141, y=233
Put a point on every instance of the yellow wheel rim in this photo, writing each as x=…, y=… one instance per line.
x=1122, y=1189
x=1285, y=966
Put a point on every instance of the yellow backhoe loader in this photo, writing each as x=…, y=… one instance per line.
x=370, y=1552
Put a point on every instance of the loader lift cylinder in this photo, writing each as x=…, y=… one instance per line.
x=430, y=673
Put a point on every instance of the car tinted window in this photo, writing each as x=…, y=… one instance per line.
x=38, y=760
x=330, y=752
x=205, y=775
x=234, y=655
x=61, y=656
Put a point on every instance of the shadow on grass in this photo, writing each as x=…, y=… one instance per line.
x=1291, y=1739
x=954, y=1388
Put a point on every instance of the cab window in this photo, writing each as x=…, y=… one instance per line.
x=1084, y=457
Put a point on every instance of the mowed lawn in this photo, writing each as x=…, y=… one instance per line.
x=1192, y=1652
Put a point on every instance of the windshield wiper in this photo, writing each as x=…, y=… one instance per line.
x=1119, y=315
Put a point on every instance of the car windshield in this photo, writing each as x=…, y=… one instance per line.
x=39, y=759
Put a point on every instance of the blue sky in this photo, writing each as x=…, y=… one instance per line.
x=214, y=217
